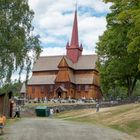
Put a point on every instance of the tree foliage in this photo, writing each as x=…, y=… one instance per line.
x=119, y=47
x=13, y=87
x=16, y=39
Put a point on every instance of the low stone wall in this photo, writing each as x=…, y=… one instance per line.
x=83, y=106
x=88, y=106
x=30, y=112
x=73, y=107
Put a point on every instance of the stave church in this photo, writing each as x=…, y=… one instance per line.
x=66, y=76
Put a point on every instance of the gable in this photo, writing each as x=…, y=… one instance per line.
x=60, y=88
x=63, y=63
x=62, y=76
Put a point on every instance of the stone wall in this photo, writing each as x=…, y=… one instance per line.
x=29, y=112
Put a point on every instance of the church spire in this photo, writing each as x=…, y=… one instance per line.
x=74, y=37
x=73, y=50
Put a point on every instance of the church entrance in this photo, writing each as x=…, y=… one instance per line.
x=59, y=94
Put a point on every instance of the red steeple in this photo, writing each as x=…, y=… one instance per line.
x=74, y=51
x=74, y=37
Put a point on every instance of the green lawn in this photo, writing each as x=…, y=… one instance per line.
x=124, y=118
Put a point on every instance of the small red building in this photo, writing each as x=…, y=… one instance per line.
x=72, y=75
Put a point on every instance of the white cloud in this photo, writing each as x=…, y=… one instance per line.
x=53, y=51
x=50, y=39
x=52, y=24
x=91, y=28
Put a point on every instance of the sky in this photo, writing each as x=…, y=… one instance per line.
x=53, y=22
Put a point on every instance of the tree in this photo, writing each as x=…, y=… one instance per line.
x=118, y=48
x=13, y=87
x=137, y=89
x=16, y=39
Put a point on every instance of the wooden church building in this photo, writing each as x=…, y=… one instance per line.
x=68, y=76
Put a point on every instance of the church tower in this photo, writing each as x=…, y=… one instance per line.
x=73, y=50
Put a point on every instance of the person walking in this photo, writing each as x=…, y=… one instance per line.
x=97, y=107
x=17, y=112
x=11, y=108
x=51, y=112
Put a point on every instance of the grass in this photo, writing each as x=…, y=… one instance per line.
x=125, y=118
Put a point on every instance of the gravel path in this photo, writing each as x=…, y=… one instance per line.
x=52, y=129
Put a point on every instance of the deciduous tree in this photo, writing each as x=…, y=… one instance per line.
x=119, y=47
x=17, y=42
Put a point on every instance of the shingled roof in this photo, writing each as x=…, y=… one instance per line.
x=50, y=79
x=51, y=63
x=42, y=79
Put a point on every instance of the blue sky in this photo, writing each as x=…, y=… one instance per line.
x=54, y=18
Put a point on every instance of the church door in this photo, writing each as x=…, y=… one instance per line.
x=59, y=93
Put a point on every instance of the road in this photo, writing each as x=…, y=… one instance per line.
x=53, y=129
